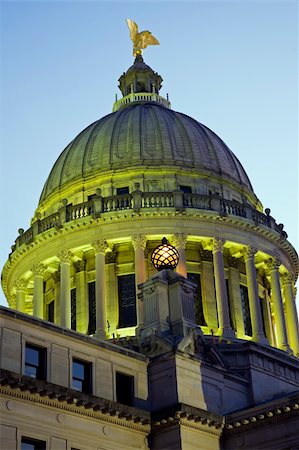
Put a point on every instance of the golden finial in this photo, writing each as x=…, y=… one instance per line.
x=140, y=40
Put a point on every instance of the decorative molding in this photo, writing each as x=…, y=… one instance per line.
x=80, y=265
x=287, y=278
x=179, y=240
x=99, y=246
x=65, y=256
x=273, y=264
x=110, y=257
x=38, y=269
x=139, y=241
x=21, y=284
x=217, y=244
x=248, y=252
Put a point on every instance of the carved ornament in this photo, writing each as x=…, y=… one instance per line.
x=99, y=246
x=38, y=269
x=138, y=241
x=65, y=256
x=217, y=244
x=179, y=240
x=248, y=252
x=80, y=265
x=273, y=264
x=21, y=284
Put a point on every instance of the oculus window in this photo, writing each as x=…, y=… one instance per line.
x=35, y=362
x=81, y=376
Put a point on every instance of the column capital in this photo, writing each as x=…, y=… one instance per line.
x=65, y=256
x=217, y=244
x=138, y=241
x=179, y=240
x=110, y=257
x=21, y=284
x=38, y=269
x=80, y=265
x=287, y=278
x=273, y=264
x=99, y=246
x=248, y=252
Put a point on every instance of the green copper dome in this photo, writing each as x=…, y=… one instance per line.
x=144, y=134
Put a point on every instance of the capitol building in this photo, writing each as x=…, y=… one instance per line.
x=114, y=340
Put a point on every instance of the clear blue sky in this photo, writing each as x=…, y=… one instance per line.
x=230, y=65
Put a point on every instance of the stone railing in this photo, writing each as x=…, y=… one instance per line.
x=140, y=97
x=138, y=201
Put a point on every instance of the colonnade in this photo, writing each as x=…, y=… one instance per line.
x=285, y=316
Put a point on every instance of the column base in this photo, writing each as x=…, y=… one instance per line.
x=260, y=339
x=100, y=334
x=226, y=332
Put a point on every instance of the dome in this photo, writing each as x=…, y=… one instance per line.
x=144, y=134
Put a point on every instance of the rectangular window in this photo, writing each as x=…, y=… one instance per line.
x=73, y=309
x=199, y=314
x=122, y=190
x=246, y=310
x=35, y=362
x=51, y=311
x=127, y=301
x=81, y=376
x=91, y=307
x=124, y=389
x=186, y=189
x=32, y=444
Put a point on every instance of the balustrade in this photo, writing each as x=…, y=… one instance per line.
x=149, y=200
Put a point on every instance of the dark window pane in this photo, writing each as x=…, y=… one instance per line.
x=186, y=189
x=51, y=311
x=32, y=444
x=73, y=309
x=78, y=370
x=92, y=307
x=124, y=389
x=246, y=310
x=81, y=380
x=122, y=190
x=199, y=314
x=230, y=306
x=35, y=362
x=127, y=301
x=32, y=355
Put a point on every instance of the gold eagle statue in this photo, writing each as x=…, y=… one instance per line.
x=140, y=40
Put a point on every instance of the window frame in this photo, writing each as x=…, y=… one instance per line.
x=87, y=384
x=133, y=378
x=33, y=441
x=42, y=349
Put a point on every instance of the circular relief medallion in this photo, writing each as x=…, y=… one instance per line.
x=10, y=405
x=106, y=430
x=60, y=418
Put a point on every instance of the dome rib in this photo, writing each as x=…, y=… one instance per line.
x=144, y=133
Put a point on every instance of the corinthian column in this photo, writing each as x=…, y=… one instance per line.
x=281, y=332
x=21, y=286
x=139, y=244
x=291, y=313
x=220, y=286
x=101, y=314
x=179, y=242
x=38, y=271
x=253, y=297
x=65, y=288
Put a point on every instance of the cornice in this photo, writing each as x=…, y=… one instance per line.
x=58, y=397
